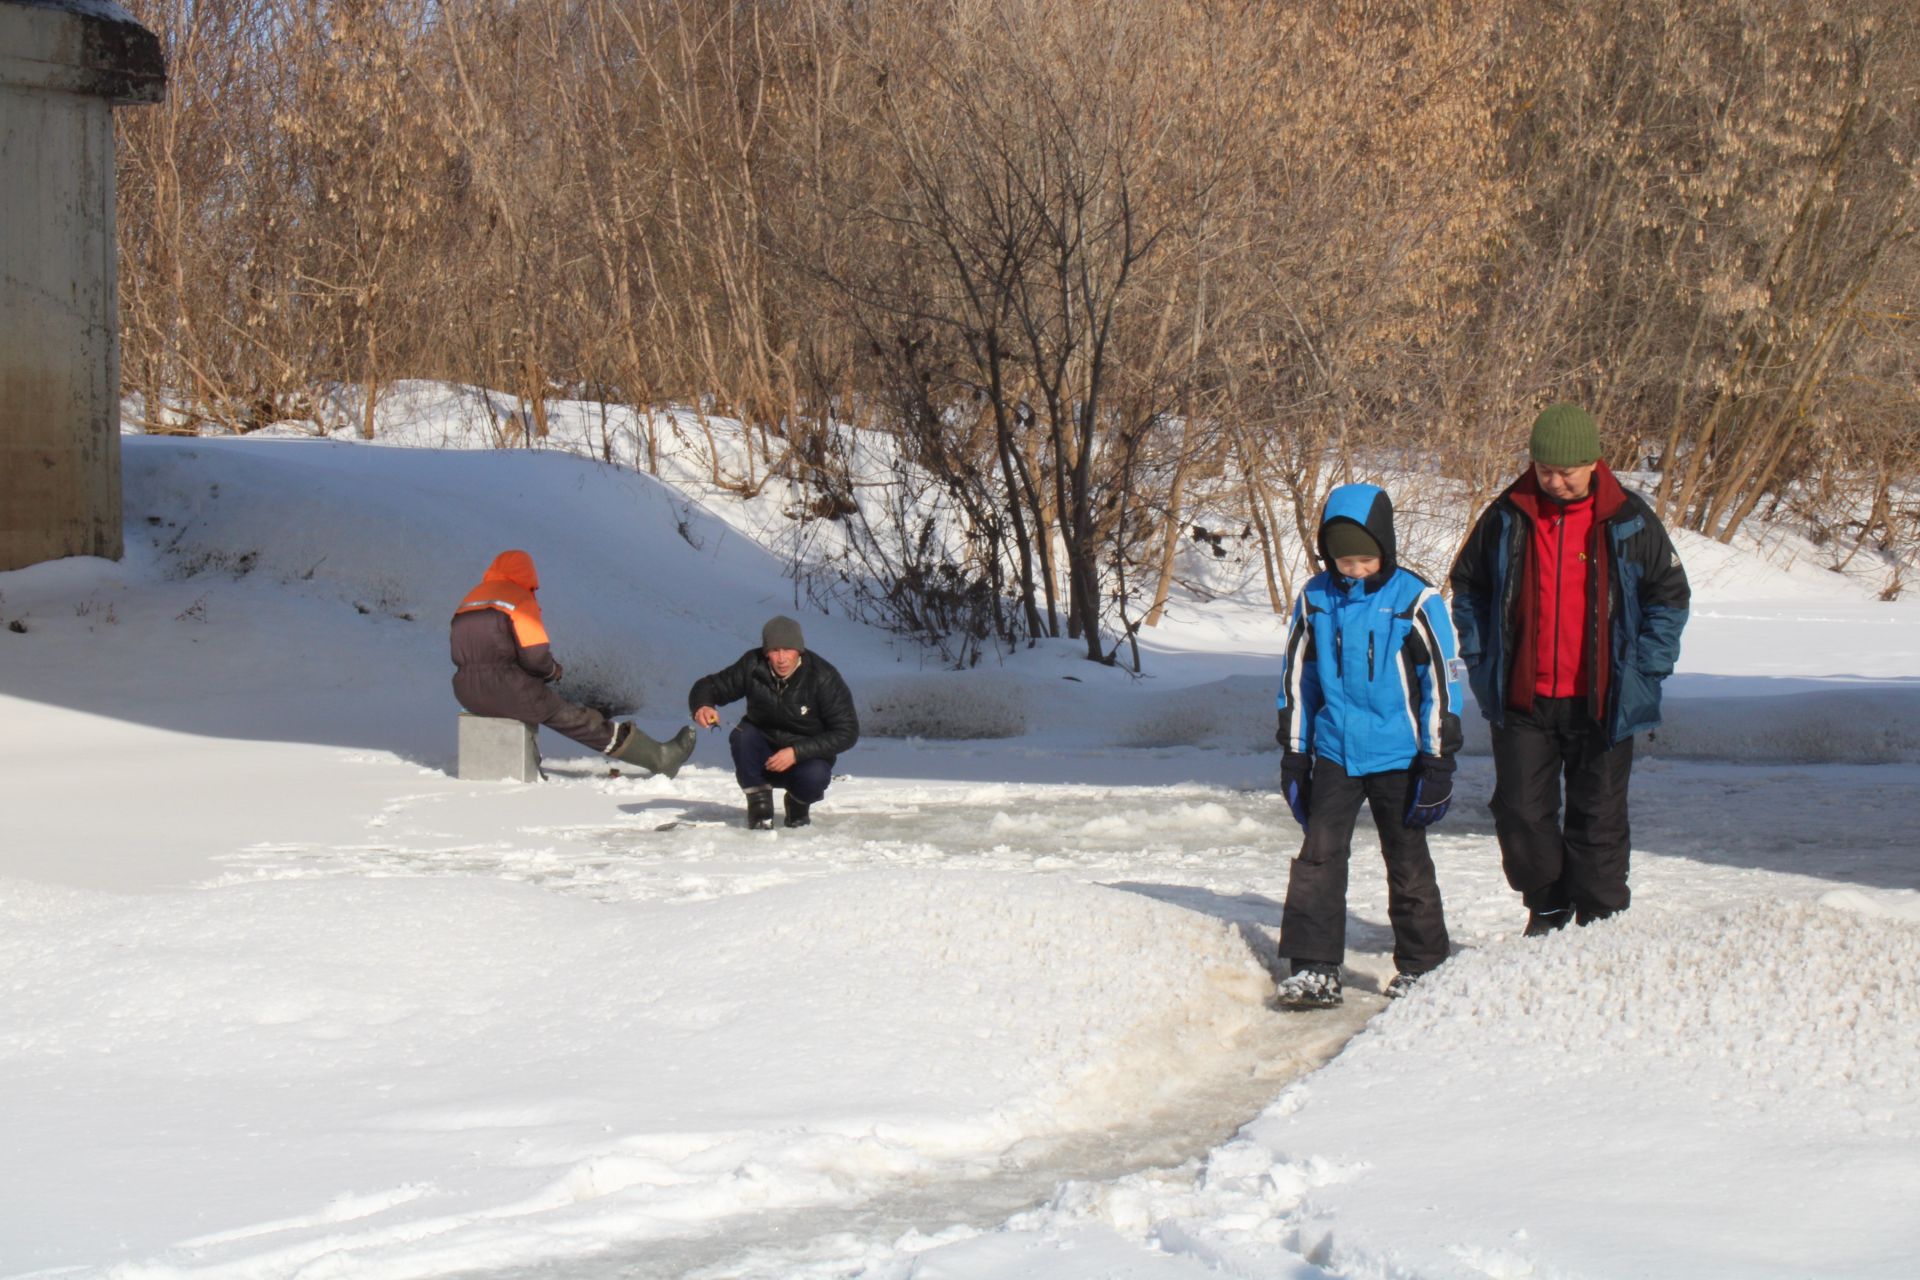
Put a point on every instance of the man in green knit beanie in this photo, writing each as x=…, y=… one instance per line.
x=1564, y=437
x=1568, y=599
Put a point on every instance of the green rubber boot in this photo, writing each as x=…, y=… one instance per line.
x=661, y=757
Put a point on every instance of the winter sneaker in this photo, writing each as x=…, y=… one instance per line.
x=760, y=809
x=1309, y=989
x=1402, y=984
x=797, y=811
x=1541, y=923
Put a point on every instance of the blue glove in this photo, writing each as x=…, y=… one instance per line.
x=1296, y=783
x=1430, y=790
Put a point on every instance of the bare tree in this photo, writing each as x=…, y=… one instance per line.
x=1042, y=279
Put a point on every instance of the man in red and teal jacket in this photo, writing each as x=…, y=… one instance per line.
x=1568, y=600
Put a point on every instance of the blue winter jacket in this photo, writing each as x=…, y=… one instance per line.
x=1371, y=677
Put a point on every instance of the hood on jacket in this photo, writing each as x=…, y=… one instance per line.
x=515, y=567
x=1368, y=506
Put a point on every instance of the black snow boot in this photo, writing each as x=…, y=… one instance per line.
x=1541, y=923
x=1401, y=986
x=760, y=809
x=635, y=747
x=1312, y=986
x=797, y=811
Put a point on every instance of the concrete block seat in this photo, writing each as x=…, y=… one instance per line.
x=493, y=749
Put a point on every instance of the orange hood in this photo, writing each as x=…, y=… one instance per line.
x=515, y=567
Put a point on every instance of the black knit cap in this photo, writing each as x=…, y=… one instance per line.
x=782, y=633
x=1344, y=538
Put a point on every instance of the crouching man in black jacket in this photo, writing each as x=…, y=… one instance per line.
x=799, y=718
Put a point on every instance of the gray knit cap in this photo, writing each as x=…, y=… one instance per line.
x=782, y=633
x=1564, y=435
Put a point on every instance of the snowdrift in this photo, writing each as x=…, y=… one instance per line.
x=1617, y=1065
x=647, y=590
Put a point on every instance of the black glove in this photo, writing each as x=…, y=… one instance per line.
x=1430, y=790
x=1296, y=783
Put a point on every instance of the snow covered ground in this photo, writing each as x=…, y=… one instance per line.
x=281, y=997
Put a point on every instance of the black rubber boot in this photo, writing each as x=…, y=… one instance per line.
x=760, y=809
x=797, y=811
x=666, y=758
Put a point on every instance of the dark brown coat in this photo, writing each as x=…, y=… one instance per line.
x=503, y=660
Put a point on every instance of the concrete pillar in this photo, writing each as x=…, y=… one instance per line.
x=64, y=65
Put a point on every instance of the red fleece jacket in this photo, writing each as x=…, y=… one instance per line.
x=1564, y=612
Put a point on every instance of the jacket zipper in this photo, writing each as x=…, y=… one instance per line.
x=1600, y=647
x=1559, y=587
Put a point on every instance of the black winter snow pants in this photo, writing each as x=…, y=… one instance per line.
x=1582, y=864
x=1313, y=925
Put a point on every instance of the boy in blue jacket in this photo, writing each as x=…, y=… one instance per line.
x=1368, y=711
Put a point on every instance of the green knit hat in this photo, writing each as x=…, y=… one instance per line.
x=1564, y=435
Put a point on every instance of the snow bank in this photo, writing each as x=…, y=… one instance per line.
x=958, y=706
x=1720, y=1100
x=1841, y=726
x=648, y=590
x=1861, y=724
x=424, y=526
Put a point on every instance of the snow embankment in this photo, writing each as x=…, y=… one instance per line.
x=1744, y=1090
x=646, y=589
x=468, y=1058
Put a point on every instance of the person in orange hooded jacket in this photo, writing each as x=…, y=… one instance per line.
x=504, y=666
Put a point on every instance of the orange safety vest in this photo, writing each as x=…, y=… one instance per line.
x=509, y=586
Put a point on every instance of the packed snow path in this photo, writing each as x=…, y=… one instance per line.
x=1221, y=850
